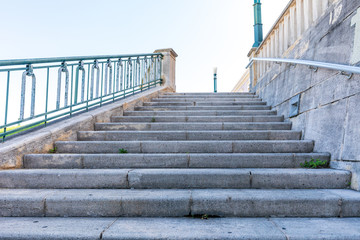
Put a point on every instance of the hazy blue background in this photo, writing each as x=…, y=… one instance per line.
x=205, y=33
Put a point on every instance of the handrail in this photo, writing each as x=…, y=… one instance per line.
x=69, y=86
x=315, y=64
x=12, y=62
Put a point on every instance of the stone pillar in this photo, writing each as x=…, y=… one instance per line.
x=168, y=67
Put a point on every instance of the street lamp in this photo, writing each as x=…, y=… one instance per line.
x=258, y=29
x=215, y=80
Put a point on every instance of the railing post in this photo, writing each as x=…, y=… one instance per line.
x=168, y=67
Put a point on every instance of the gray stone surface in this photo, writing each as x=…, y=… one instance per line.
x=189, y=178
x=23, y=202
x=64, y=178
x=53, y=228
x=252, y=160
x=204, y=103
x=179, y=228
x=84, y=203
x=254, y=146
x=351, y=147
x=202, y=99
x=200, y=113
x=265, y=203
x=329, y=100
x=290, y=146
x=52, y=161
x=204, y=160
x=318, y=123
x=195, y=126
x=187, y=135
x=299, y=178
x=205, y=108
x=354, y=167
x=156, y=203
x=177, y=203
x=191, y=229
x=198, y=119
x=319, y=228
x=41, y=141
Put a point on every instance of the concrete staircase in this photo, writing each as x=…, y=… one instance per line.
x=224, y=156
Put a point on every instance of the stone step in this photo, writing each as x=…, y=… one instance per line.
x=153, y=126
x=192, y=108
x=204, y=103
x=209, y=93
x=203, y=99
x=268, y=118
x=187, y=135
x=179, y=203
x=208, y=228
x=208, y=96
x=254, y=146
x=201, y=113
x=217, y=95
x=193, y=160
x=175, y=178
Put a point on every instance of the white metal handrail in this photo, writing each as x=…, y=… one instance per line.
x=344, y=69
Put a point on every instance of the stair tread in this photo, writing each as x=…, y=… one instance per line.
x=166, y=160
x=180, y=202
x=180, y=228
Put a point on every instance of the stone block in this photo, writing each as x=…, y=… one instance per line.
x=52, y=161
x=325, y=126
x=64, y=178
x=190, y=229
x=84, y=203
x=53, y=228
x=324, y=228
x=299, y=178
x=351, y=148
x=155, y=203
x=189, y=178
x=265, y=203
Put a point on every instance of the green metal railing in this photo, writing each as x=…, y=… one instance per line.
x=61, y=87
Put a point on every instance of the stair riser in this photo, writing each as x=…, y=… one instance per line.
x=198, y=119
x=178, y=203
x=175, y=179
x=209, y=96
x=204, y=103
x=187, y=147
x=116, y=161
x=188, y=135
x=192, y=108
x=215, y=100
x=190, y=126
x=207, y=93
x=199, y=113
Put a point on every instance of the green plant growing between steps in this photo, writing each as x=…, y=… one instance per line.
x=123, y=151
x=153, y=119
x=53, y=150
x=315, y=164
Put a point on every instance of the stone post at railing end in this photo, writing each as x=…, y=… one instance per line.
x=168, y=67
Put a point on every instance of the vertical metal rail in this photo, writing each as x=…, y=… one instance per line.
x=47, y=93
x=6, y=103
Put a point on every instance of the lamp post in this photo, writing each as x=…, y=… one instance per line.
x=258, y=29
x=215, y=80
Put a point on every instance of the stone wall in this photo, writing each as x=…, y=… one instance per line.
x=329, y=101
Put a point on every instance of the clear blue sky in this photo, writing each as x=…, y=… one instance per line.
x=205, y=33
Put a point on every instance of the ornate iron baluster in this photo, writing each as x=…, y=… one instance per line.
x=28, y=72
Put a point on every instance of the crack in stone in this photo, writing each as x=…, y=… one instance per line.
x=103, y=231
x=280, y=229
